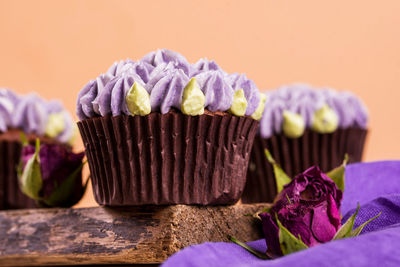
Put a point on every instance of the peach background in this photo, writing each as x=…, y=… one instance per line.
x=55, y=47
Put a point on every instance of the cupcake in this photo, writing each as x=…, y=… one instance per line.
x=35, y=118
x=302, y=127
x=163, y=131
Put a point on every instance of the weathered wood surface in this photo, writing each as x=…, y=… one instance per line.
x=137, y=235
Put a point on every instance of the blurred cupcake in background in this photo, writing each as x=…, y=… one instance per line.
x=303, y=126
x=163, y=131
x=25, y=118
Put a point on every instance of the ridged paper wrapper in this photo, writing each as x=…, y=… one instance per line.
x=171, y=158
x=11, y=196
x=296, y=155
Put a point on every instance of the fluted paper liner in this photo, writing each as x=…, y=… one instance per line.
x=297, y=155
x=11, y=196
x=168, y=158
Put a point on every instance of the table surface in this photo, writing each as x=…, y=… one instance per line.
x=134, y=235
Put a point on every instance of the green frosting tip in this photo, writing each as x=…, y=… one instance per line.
x=138, y=100
x=55, y=125
x=239, y=104
x=193, y=99
x=293, y=124
x=325, y=120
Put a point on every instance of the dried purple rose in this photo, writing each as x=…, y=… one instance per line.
x=305, y=213
x=308, y=207
x=51, y=174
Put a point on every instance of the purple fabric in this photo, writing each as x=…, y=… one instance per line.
x=374, y=185
x=367, y=181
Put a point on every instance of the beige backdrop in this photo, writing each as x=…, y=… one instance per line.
x=55, y=47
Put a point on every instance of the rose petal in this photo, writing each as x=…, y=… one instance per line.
x=333, y=213
x=321, y=227
x=271, y=234
x=301, y=226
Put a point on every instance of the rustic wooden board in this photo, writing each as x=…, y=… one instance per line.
x=137, y=235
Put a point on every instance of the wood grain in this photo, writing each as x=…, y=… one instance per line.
x=99, y=235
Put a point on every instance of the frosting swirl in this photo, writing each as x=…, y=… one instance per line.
x=215, y=99
x=117, y=66
x=204, y=65
x=308, y=102
x=8, y=100
x=32, y=114
x=168, y=91
x=164, y=74
x=240, y=81
x=350, y=110
x=111, y=99
x=166, y=56
x=129, y=67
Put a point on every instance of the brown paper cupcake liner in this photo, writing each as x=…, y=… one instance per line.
x=11, y=196
x=168, y=158
x=297, y=155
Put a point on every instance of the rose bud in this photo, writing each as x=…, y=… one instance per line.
x=51, y=174
x=308, y=207
x=305, y=213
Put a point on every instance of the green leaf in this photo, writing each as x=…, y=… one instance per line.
x=288, y=242
x=256, y=215
x=31, y=178
x=249, y=249
x=358, y=230
x=20, y=169
x=337, y=174
x=281, y=177
x=347, y=228
x=266, y=209
x=62, y=196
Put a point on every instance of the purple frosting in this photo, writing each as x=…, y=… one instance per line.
x=140, y=68
x=54, y=106
x=8, y=101
x=305, y=100
x=240, y=81
x=116, y=67
x=30, y=113
x=87, y=105
x=112, y=98
x=215, y=99
x=168, y=91
x=166, y=56
x=350, y=110
x=164, y=74
x=204, y=65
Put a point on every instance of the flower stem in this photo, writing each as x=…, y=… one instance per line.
x=249, y=249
